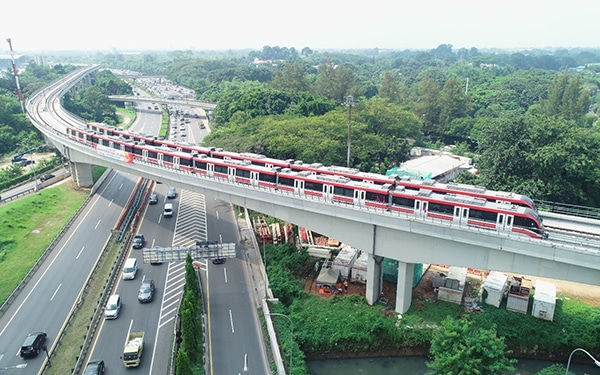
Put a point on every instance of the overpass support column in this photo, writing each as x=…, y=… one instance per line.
x=82, y=174
x=404, y=286
x=374, y=278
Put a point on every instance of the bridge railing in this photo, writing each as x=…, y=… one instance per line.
x=568, y=209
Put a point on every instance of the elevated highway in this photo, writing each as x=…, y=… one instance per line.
x=380, y=233
x=150, y=99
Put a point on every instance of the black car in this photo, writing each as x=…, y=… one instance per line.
x=172, y=193
x=218, y=260
x=138, y=241
x=94, y=367
x=153, y=199
x=46, y=177
x=33, y=344
x=146, y=293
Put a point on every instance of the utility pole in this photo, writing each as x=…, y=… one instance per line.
x=349, y=103
x=16, y=74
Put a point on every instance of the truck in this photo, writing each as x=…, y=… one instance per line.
x=132, y=353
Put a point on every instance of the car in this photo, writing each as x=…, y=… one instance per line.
x=94, y=367
x=138, y=241
x=46, y=177
x=172, y=193
x=25, y=162
x=218, y=260
x=113, y=307
x=33, y=344
x=153, y=199
x=146, y=292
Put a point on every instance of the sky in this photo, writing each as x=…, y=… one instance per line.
x=134, y=25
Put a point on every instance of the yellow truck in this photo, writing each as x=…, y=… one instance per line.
x=132, y=353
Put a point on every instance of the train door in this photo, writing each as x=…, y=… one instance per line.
x=359, y=197
x=421, y=208
x=210, y=170
x=254, y=178
x=230, y=174
x=175, y=161
x=160, y=158
x=145, y=155
x=328, y=192
x=504, y=222
x=299, y=187
x=461, y=215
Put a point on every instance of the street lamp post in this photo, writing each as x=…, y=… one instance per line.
x=349, y=103
x=291, y=336
x=596, y=362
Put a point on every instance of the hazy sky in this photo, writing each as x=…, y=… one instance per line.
x=39, y=25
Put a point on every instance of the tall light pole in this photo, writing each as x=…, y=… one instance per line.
x=596, y=362
x=291, y=336
x=349, y=103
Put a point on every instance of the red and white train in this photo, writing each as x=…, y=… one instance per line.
x=317, y=168
x=390, y=194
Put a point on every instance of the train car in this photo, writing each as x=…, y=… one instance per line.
x=452, y=204
x=471, y=211
x=236, y=171
x=470, y=190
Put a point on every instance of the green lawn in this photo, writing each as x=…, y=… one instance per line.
x=28, y=226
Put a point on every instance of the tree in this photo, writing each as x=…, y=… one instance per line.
x=389, y=87
x=428, y=107
x=334, y=82
x=566, y=98
x=460, y=349
x=290, y=78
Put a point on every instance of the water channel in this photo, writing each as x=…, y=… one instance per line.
x=416, y=366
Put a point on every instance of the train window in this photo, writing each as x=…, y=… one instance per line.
x=168, y=158
x=525, y=222
x=404, y=202
x=201, y=165
x=242, y=173
x=441, y=208
x=220, y=169
x=267, y=177
x=482, y=215
x=314, y=186
x=377, y=197
x=152, y=154
x=285, y=181
x=337, y=190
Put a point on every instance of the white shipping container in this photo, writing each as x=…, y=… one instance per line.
x=495, y=286
x=344, y=261
x=359, y=269
x=544, y=300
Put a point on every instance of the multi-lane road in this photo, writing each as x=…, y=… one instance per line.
x=235, y=343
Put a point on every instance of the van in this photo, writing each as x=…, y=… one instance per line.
x=113, y=307
x=168, y=212
x=130, y=269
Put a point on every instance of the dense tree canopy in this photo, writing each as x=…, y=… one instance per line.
x=458, y=349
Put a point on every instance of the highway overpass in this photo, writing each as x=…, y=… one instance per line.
x=380, y=233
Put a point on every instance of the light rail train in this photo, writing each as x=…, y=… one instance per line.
x=454, y=206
